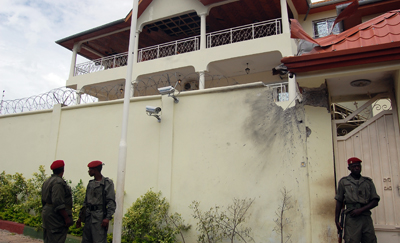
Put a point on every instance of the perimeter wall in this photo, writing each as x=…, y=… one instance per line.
x=213, y=146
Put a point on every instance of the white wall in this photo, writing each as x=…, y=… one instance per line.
x=213, y=146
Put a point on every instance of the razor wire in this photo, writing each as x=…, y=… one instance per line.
x=106, y=92
x=64, y=96
x=181, y=82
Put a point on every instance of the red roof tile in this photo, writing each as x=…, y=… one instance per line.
x=380, y=30
x=377, y=40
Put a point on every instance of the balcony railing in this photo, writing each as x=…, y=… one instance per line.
x=101, y=64
x=218, y=38
x=169, y=49
x=243, y=33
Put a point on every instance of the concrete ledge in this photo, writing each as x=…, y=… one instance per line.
x=31, y=231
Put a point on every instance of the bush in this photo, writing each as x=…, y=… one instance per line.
x=215, y=225
x=78, y=197
x=33, y=200
x=147, y=220
x=12, y=190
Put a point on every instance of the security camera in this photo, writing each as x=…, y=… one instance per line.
x=152, y=110
x=166, y=90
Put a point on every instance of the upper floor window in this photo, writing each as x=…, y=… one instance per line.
x=323, y=26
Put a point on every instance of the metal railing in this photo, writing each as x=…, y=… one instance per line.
x=243, y=33
x=280, y=91
x=217, y=38
x=101, y=64
x=169, y=49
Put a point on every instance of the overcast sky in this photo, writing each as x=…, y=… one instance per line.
x=31, y=62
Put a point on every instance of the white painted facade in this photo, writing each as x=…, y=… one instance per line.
x=217, y=143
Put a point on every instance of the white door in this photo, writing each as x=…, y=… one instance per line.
x=375, y=140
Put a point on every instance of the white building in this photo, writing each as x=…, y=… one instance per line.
x=238, y=130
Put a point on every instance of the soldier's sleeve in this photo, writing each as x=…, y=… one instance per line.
x=340, y=191
x=110, y=199
x=58, y=196
x=373, y=193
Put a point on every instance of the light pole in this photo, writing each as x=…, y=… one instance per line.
x=125, y=118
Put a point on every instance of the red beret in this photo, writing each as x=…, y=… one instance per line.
x=95, y=163
x=57, y=164
x=353, y=160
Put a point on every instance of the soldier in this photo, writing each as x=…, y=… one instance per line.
x=98, y=207
x=359, y=195
x=57, y=205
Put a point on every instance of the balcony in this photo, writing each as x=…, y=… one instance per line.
x=213, y=39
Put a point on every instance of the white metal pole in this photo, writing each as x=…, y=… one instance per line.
x=125, y=117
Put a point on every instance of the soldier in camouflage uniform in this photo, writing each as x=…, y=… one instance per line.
x=359, y=195
x=100, y=206
x=57, y=205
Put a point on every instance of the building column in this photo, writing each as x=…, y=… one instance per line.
x=78, y=97
x=202, y=80
x=75, y=50
x=135, y=61
x=285, y=17
x=136, y=48
x=203, y=37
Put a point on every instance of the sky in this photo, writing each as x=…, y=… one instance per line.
x=31, y=63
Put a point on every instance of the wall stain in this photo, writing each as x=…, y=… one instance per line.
x=268, y=122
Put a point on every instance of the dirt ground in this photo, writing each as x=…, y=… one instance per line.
x=8, y=237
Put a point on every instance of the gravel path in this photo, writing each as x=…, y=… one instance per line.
x=8, y=237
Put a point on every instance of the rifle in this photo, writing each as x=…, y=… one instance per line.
x=341, y=222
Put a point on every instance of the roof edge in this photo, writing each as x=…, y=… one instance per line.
x=343, y=58
x=90, y=31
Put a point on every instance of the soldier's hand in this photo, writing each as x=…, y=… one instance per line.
x=356, y=212
x=105, y=223
x=68, y=222
x=78, y=223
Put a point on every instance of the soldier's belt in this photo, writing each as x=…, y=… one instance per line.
x=354, y=205
x=95, y=207
x=66, y=206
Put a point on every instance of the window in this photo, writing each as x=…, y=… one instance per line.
x=323, y=26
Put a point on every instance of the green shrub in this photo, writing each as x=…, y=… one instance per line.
x=78, y=197
x=12, y=189
x=147, y=220
x=33, y=202
x=14, y=213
